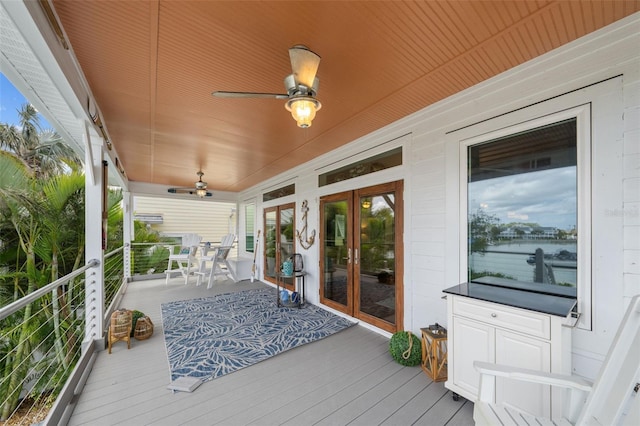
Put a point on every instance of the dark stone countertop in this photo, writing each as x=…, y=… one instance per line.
x=558, y=305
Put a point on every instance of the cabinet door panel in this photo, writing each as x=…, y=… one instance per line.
x=521, y=351
x=473, y=341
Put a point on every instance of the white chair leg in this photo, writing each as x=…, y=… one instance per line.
x=212, y=274
x=186, y=273
x=167, y=273
x=200, y=272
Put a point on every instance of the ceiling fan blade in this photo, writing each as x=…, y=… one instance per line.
x=222, y=94
x=304, y=64
x=184, y=190
x=190, y=191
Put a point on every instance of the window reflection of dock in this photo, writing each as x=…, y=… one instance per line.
x=520, y=265
x=544, y=264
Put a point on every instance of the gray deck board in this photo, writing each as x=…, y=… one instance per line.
x=365, y=401
x=288, y=384
x=348, y=378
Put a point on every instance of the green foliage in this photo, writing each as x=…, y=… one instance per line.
x=378, y=239
x=134, y=319
x=287, y=231
x=270, y=242
x=41, y=239
x=43, y=152
x=482, y=227
x=399, y=348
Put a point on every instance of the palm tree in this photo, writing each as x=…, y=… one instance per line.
x=62, y=203
x=43, y=152
x=27, y=231
x=40, y=218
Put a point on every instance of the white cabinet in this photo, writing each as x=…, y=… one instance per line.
x=492, y=332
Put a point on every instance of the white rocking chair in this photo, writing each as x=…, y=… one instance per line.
x=220, y=267
x=612, y=399
x=185, y=258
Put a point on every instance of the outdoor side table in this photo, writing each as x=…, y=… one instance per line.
x=299, y=284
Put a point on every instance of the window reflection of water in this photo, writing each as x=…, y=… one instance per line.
x=511, y=260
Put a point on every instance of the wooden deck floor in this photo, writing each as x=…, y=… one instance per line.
x=346, y=379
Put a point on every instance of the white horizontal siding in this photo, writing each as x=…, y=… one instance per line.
x=211, y=220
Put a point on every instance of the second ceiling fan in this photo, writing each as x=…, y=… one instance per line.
x=199, y=188
x=301, y=86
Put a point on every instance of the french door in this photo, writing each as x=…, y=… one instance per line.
x=361, y=254
x=279, y=241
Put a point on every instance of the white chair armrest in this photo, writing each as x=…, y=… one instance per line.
x=523, y=374
x=578, y=387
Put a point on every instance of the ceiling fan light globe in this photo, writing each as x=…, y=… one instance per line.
x=303, y=110
x=200, y=192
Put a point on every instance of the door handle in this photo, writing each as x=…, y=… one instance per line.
x=356, y=257
x=349, y=255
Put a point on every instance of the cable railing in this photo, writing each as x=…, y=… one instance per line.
x=556, y=272
x=150, y=260
x=40, y=347
x=113, y=275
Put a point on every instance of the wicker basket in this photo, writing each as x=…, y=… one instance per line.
x=144, y=328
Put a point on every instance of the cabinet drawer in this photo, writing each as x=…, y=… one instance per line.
x=531, y=323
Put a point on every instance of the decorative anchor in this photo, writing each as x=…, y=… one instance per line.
x=305, y=241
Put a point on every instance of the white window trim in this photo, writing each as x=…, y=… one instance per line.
x=457, y=149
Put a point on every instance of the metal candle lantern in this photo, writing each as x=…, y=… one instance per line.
x=434, y=352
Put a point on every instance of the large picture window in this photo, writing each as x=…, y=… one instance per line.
x=533, y=188
x=522, y=201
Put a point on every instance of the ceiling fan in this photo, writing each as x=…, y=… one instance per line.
x=301, y=86
x=200, y=188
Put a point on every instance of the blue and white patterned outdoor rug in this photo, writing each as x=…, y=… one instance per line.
x=212, y=336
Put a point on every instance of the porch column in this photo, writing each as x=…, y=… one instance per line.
x=127, y=232
x=94, y=277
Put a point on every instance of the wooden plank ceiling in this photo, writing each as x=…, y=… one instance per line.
x=152, y=66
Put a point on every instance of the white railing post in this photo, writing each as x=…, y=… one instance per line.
x=95, y=233
x=128, y=232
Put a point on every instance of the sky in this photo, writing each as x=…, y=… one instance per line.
x=546, y=197
x=11, y=100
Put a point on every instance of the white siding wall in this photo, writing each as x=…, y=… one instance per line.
x=432, y=218
x=212, y=220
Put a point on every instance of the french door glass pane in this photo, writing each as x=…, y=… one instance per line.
x=286, y=233
x=287, y=247
x=377, y=256
x=335, y=251
x=270, y=243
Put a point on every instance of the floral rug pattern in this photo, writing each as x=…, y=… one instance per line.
x=213, y=336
